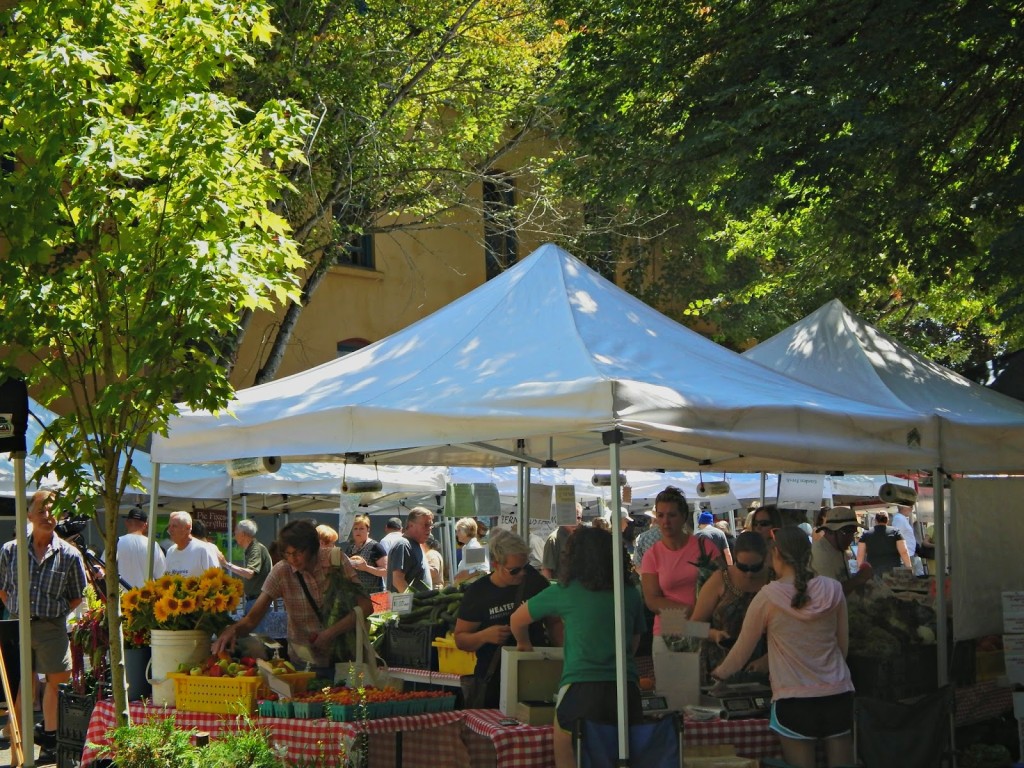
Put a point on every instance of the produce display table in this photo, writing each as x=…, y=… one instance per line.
x=425, y=741
x=751, y=737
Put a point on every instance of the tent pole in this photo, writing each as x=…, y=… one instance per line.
x=524, y=502
x=942, y=633
x=25, y=717
x=154, y=497
x=612, y=440
x=231, y=530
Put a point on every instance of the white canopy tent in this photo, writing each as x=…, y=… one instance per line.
x=536, y=365
x=979, y=430
x=551, y=364
x=38, y=417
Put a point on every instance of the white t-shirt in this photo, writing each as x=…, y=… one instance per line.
x=131, y=559
x=389, y=541
x=195, y=558
x=902, y=524
x=480, y=567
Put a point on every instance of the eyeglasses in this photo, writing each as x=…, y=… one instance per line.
x=755, y=568
x=290, y=553
x=763, y=523
x=515, y=571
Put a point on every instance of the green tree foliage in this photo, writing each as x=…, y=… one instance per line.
x=134, y=211
x=781, y=153
x=415, y=101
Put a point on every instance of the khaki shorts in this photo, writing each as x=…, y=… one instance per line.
x=51, y=651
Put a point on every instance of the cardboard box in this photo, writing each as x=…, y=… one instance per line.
x=677, y=678
x=528, y=676
x=1013, y=613
x=535, y=712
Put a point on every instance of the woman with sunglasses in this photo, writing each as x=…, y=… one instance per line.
x=724, y=599
x=764, y=521
x=805, y=618
x=482, y=625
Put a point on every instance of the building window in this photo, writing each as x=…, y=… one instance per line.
x=357, y=252
x=501, y=246
x=351, y=345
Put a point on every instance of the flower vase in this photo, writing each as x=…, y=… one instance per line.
x=135, y=662
x=170, y=649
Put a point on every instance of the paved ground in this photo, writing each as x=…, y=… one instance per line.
x=5, y=746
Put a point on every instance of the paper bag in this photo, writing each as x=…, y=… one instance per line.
x=677, y=678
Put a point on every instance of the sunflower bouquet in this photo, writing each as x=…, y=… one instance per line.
x=180, y=602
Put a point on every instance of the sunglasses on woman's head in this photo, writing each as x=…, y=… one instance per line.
x=755, y=568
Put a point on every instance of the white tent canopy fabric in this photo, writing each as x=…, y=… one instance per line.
x=536, y=364
x=980, y=430
x=38, y=418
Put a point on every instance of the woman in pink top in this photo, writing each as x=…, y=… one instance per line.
x=805, y=618
x=667, y=573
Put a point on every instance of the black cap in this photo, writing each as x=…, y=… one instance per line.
x=136, y=513
x=394, y=523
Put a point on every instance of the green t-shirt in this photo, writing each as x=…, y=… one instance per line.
x=589, y=619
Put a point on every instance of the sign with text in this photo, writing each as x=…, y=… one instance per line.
x=565, y=504
x=402, y=604
x=798, y=491
x=540, y=501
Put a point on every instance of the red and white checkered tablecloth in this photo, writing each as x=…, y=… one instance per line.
x=506, y=746
x=428, y=740
x=751, y=737
x=429, y=677
x=986, y=700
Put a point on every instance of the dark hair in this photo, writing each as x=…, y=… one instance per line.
x=301, y=535
x=198, y=529
x=748, y=541
x=672, y=495
x=588, y=560
x=794, y=547
x=882, y=517
x=773, y=514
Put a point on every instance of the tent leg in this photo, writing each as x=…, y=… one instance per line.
x=612, y=439
x=941, y=634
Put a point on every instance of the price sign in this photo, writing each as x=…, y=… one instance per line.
x=402, y=604
x=565, y=504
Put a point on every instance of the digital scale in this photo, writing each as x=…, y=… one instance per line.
x=654, y=705
x=736, y=700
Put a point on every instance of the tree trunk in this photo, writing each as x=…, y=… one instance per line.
x=112, y=580
x=291, y=318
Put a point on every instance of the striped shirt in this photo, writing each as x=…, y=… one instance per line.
x=54, y=581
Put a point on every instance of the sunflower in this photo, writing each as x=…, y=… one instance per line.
x=130, y=601
x=166, y=583
x=160, y=612
x=190, y=585
x=187, y=606
x=147, y=594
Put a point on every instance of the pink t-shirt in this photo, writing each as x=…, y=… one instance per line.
x=677, y=574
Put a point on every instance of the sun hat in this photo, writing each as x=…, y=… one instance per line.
x=841, y=517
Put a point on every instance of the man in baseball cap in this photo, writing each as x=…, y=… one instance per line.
x=706, y=529
x=394, y=528
x=830, y=554
x=132, y=548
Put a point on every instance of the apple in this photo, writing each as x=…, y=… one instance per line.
x=196, y=671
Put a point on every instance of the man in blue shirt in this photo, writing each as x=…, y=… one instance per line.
x=56, y=585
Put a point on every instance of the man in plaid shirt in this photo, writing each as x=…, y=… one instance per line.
x=56, y=586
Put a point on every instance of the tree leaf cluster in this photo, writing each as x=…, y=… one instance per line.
x=796, y=151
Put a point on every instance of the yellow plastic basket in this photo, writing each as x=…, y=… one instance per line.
x=218, y=695
x=451, y=659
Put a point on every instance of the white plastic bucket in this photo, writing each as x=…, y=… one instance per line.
x=172, y=648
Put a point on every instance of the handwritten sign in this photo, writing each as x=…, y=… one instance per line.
x=565, y=504
x=402, y=604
